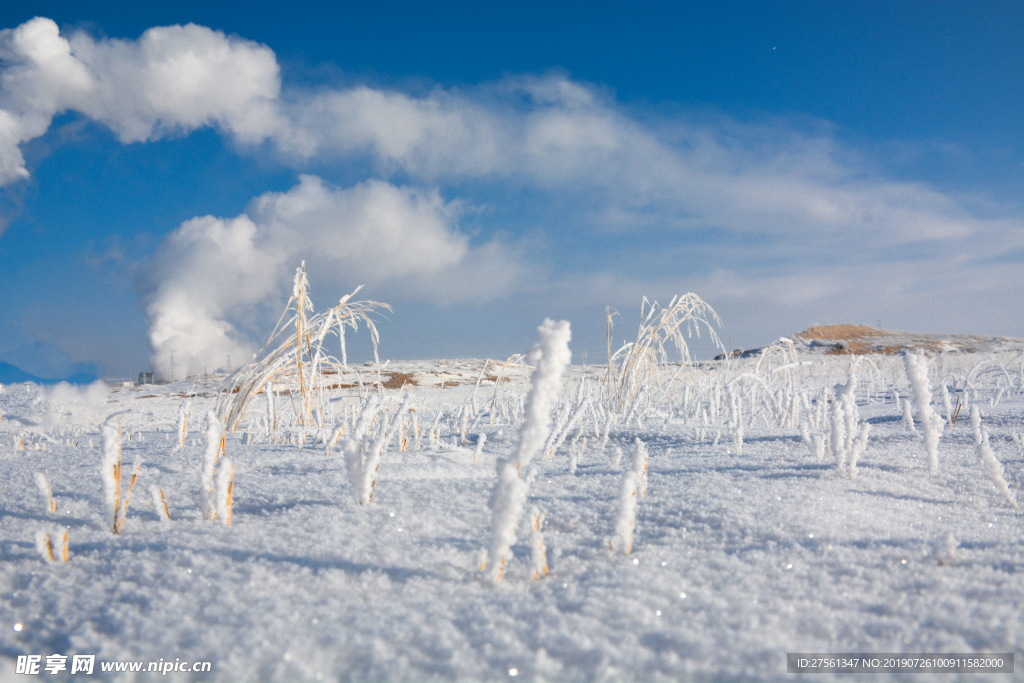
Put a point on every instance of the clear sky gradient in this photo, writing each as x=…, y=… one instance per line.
x=482, y=166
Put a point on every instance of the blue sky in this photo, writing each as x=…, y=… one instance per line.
x=481, y=166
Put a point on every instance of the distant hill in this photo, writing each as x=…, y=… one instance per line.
x=837, y=340
x=10, y=374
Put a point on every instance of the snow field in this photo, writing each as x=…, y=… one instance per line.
x=736, y=558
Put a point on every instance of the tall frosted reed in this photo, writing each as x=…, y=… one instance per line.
x=550, y=356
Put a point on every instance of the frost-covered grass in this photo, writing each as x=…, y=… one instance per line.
x=736, y=557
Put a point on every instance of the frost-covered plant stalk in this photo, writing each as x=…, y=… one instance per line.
x=908, y=418
x=947, y=404
x=550, y=356
x=182, y=427
x=225, y=490
x=212, y=453
x=640, y=465
x=634, y=484
x=839, y=427
x=994, y=469
x=371, y=462
x=53, y=547
x=538, y=553
x=43, y=484
x=110, y=473
x=271, y=410
x=574, y=453
x=160, y=503
x=362, y=458
x=931, y=423
x=608, y=423
x=976, y=423
x=737, y=435
x=859, y=446
x=481, y=439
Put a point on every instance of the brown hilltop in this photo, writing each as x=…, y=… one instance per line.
x=863, y=339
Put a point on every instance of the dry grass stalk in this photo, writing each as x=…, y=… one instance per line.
x=633, y=368
x=298, y=359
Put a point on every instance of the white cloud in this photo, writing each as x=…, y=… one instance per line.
x=212, y=275
x=543, y=132
x=174, y=78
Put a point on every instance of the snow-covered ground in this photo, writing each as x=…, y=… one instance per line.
x=737, y=558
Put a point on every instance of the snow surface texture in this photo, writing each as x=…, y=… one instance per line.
x=735, y=560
